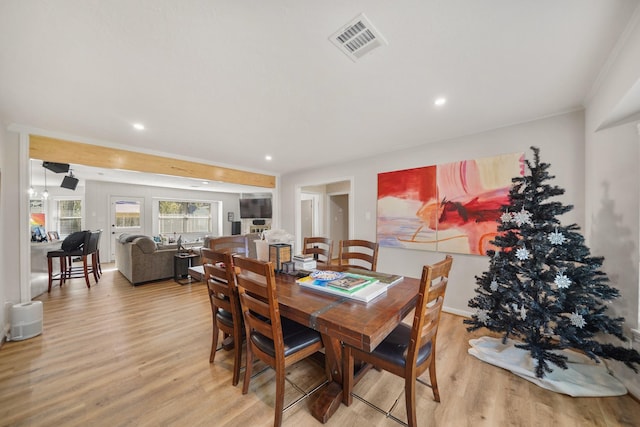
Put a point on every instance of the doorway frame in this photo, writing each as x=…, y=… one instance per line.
x=325, y=227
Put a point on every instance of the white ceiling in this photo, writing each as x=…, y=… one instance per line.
x=228, y=82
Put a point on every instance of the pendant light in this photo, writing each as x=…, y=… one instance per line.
x=45, y=193
x=32, y=192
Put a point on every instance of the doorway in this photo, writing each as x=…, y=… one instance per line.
x=324, y=210
x=339, y=218
x=127, y=215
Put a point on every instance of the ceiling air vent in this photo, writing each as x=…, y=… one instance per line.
x=357, y=38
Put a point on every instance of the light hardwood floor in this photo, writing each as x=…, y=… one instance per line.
x=118, y=355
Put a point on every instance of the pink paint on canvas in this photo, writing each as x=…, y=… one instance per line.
x=459, y=204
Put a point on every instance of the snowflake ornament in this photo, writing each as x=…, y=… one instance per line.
x=562, y=281
x=556, y=238
x=523, y=313
x=493, y=286
x=483, y=316
x=522, y=254
x=506, y=217
x=522, y=217
x=577, y=320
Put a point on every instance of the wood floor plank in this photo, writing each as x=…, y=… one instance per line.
x=118, y=355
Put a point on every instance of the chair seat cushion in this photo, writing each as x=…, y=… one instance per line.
x=225, y=317
x=295, y=337
x=394, y=347
x=56, y=253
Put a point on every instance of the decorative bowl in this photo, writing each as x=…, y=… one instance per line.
x=326, y=275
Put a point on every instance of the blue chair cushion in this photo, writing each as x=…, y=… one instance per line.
x=295, y=336
x=394, y=347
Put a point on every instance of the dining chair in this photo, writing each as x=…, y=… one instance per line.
x=231, y=244
x=278, y=342
x=408, y=351
x=358, y=253
x=320, y=247
x=225, y=306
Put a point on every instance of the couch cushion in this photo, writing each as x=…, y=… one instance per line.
x=146, y=244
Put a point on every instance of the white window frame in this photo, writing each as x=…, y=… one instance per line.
x=53, y=212
x=215, y=210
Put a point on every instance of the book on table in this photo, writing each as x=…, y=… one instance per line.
x=352, y=286
x=303, y=257
x=305, y=265
x=387, y=278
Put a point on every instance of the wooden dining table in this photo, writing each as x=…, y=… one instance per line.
x=343, y=320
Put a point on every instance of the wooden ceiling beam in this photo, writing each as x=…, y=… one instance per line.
x=62, y=151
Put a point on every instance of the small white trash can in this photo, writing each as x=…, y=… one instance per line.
x=26, y=320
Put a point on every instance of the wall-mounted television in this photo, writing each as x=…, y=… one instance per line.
x=255, y=208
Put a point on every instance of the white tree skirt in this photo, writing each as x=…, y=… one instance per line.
x=583, y=376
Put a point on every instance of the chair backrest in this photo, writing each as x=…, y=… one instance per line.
x=258, y=298
x=92, y=242
x=358, y=253
x=231, y=244
x=320, y=247
x=206, y=256
x=220, y=282
x=433, y=286
x=76, y=241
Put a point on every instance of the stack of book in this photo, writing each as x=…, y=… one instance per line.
x=304, y=262
x=353, y=286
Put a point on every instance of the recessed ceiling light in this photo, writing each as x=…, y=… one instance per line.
x=267, y=157
x=138, y=126
x=440, y=101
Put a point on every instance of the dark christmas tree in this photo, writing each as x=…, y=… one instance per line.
x=543, y=288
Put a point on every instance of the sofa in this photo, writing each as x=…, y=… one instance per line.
x=140, y=259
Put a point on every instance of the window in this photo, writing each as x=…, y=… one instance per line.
x=69, y=215
x=127, y=213
x=184, y=217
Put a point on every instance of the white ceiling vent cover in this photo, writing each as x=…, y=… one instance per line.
x=357, y=38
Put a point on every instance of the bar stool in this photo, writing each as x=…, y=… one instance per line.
x=88, y=251
x=72, y=245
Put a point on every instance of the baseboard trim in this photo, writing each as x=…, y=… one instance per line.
x=457, y=312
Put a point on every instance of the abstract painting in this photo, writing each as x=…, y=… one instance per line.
x=451, y=207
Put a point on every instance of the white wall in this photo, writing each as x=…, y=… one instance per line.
x=97, y=204
x=4, y=312
x=561, y=143
x=10, y=220
x=613, y=194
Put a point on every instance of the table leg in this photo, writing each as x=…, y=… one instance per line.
x=331, y=396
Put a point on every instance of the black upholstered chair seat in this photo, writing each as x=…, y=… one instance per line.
x=294, y=335
x=225, y=317
x=56, y=253
x=394, y=347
